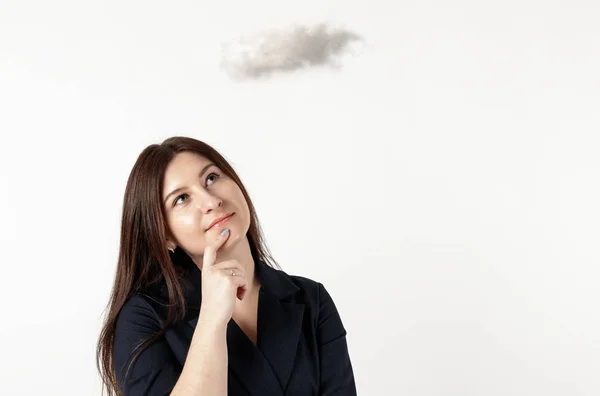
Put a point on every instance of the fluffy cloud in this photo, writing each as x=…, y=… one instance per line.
x=285, y=50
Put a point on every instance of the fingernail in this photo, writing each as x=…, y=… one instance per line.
x=225, y=231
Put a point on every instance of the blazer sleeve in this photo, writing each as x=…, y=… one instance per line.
x=337, y=377
x=156, y=370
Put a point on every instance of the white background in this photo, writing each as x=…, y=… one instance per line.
x=443, y=185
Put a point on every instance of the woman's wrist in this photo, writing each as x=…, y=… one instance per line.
x=210, y=323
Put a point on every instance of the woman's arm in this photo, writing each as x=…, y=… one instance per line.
x=205, y=368
x=337, y=377
x=156, y=371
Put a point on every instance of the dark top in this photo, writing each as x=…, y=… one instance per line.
x=301, y=342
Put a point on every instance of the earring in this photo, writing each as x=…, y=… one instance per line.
x=171, y=250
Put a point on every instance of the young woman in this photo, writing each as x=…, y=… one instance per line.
x=196, y=307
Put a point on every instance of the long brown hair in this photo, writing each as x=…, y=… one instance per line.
x=143, y=257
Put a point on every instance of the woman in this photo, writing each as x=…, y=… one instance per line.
x=195, y=308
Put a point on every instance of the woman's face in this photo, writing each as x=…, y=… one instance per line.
x=196, y=192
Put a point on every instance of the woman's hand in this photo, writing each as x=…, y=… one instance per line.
x=219, y=286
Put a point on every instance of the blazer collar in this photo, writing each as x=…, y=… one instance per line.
x=265, y=368
x=275, y=282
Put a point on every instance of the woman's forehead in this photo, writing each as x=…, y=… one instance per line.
x=182, y=167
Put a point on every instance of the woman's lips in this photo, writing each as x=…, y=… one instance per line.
x=222, y=222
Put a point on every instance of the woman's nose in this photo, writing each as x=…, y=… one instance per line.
x=210, y=202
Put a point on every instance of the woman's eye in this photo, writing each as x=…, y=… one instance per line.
x=185, y=195
x=216, y=174
x=177, y=199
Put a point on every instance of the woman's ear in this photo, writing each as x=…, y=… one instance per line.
x=171, y=246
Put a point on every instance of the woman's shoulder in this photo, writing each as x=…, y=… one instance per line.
x=312, y=293
x=311, y=289
x=136, y=318
x=308, y=285
x=138, y=306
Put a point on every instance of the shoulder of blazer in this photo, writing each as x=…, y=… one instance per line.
x=293, y=288
x=309, y=288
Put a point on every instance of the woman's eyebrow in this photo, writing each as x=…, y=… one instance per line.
x=181, y=188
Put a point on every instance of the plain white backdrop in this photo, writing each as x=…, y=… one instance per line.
x=443, y=184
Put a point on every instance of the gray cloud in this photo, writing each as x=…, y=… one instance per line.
x=285, y=50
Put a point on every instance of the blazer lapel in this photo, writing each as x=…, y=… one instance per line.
x=249, y=365
x=279, y=327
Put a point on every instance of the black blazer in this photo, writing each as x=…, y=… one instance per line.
x=301, y=342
